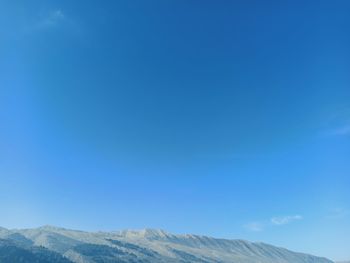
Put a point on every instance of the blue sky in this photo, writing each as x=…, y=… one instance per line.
x=224, y=118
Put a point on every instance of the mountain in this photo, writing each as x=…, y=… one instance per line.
x=13, y=252
x=58, y=245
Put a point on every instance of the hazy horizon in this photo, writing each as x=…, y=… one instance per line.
x=228, y=119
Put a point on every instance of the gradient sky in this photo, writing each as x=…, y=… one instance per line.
x=223, y=118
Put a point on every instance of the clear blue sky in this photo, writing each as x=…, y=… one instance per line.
x=224, y=118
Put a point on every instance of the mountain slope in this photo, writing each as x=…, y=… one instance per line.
x=12, y=252
x=149, y=245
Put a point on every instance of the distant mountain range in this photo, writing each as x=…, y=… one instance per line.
x=50, y=244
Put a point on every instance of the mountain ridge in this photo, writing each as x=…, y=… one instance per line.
x=145, y=245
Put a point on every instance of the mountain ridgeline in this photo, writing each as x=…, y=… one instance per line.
x=57, y=245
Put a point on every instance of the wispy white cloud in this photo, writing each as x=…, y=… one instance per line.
x=336, y=123
x=342, y=131
x=53, y=18
x=254, y=226
x=258, y=226
x=338, y=213
x=284, y=220
x=48, y=20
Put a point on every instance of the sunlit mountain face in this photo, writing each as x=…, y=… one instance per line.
x=58, y=245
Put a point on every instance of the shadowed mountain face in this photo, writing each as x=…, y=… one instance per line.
x=58, y=245
x=13, y=252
